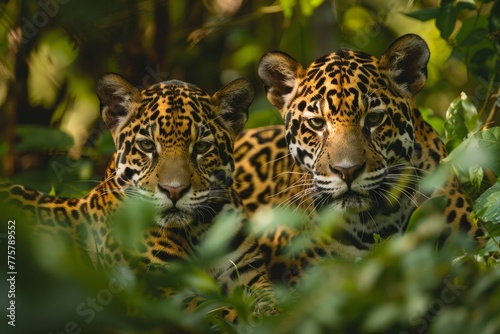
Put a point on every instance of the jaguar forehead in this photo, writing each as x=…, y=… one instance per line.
x=173, y=108
x=345, y=80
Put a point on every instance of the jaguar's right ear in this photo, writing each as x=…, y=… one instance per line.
x=280, y=74
x=117, y=97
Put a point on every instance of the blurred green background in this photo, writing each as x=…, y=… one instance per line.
x=53, y=52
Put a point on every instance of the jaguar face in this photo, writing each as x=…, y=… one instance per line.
x=348, y=120
x=174, y=143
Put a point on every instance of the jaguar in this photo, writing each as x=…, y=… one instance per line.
x=174, y=150
x=353, y=144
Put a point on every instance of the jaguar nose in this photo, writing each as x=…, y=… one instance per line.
x=174, y=193
x=348, y=174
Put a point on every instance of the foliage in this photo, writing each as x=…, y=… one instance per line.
x=408, y=284
x=474, y=37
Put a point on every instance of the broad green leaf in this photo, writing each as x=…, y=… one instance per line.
x=476, y=175
x=39, y=138
x=487, y=206
x=424, y=14
x=493, y=230
x=483, y=149
x=446, y=18
x=462, y=119
x=471, y=116
x=492, y=246
x=454, y=125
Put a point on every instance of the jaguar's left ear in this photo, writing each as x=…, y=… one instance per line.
x=233, y=101
x=117, y=97
x=405, y=63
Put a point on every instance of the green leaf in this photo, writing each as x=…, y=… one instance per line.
x=40, y=138
x=487, y=206
x=424, y=14
x=476, y=175
x=428, y=208
x=446, y=18
x=215, y=243
x=130, y=222
x=482, y=56
x=462, y=119
x=454, y=125
x=475, y=37
x=471, y=116
x=492, y=246
x=481, y=149
x=492, y=230
x=447, y=15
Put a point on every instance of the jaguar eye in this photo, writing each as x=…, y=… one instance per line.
x=147, y=145
x=374, y=119
x=316, y=123
x=201, y=147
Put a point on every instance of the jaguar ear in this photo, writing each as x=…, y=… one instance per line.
x=280, y=74
x=405, y=63
x=117, y=96
x=233, y=100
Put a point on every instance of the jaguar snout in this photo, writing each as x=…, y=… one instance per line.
x=348, y=174
x=174, y=193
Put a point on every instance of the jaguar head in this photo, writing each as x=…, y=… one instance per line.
x=174, y=143
x=349, y=124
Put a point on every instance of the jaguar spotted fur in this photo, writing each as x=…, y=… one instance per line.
x=353, y=142
x=174, y=149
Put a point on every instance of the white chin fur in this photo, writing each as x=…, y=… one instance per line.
x=173, y=219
